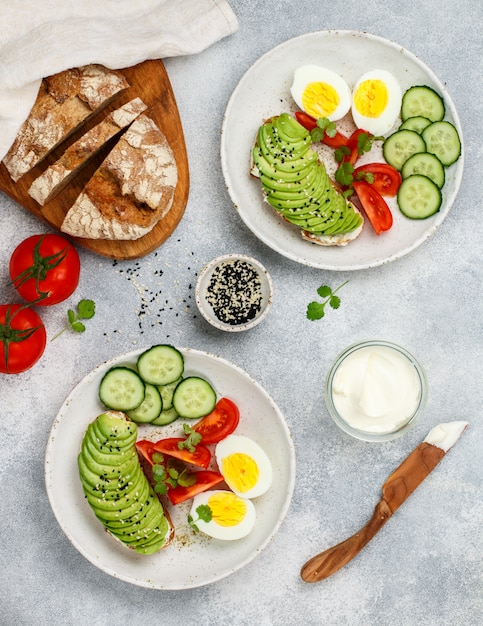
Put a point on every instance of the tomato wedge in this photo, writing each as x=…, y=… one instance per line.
x=201, y=456
x=386, y=178
x=309, y=123
x=220, y=423
x=374, y=205
x=205, y=479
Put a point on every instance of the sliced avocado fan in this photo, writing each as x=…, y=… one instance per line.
x=116, y=487
x=296, y=183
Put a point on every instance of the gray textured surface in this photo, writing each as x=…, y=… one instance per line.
x=425, y=566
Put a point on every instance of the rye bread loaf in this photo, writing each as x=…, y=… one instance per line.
x=131, y=190
x=64, y=102
x=58, y=175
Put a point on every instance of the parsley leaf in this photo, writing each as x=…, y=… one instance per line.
x=205, y=514
x=316, y=310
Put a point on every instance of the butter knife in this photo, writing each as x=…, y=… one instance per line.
x=397, y=488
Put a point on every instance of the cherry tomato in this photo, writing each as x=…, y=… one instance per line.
x=309, y=123
x=22, y=338
x=220, y=423
x=201, y=456
x=374, y=206
x=205, y=479
x=45, y=269
x=386, y=178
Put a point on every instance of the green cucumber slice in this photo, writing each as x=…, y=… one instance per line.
x=417, y=123
x=442, y=140
x=423, y=101
x=166, y=417
x=194, y=397
x=160, y=365
x=167, y=393
x=401, y=145
x=419, y=197
x=150, y=407
x=121, y=389
x=426, y=164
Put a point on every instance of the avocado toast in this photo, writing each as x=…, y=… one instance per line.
x=116, y=487
x=295, y=183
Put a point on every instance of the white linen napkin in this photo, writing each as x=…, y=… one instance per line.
x=38, y=39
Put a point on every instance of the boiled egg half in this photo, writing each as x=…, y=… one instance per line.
x=232, y=517
x=376, y=102
x=245, y=467
x=321, y=92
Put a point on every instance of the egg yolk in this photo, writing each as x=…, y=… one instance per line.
x=371, y=98
x=240, y=471
x=320, y=99
x=227, y=509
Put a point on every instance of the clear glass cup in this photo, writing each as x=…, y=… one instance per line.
x=403, y=426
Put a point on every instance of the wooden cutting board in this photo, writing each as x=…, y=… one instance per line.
x=150, y=82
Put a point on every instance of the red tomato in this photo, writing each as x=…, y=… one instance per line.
x=386, y=178
x=220, y=423
x=374, y=206
x=309, y=123
x=201, y=457
x=22, y=338
x=205, y=479
x=353, y=145
x=45, y=264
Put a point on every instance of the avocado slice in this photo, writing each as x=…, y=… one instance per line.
x=116, y=487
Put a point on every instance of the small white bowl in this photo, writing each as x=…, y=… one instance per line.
x=225, y=277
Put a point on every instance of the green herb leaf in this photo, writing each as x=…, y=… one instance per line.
x=85, y=310
x=316, y=310
x=341, y=153
x=192, y=440
x=204, y=513
x=344, y=174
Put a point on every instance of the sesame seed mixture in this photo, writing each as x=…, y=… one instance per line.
x=235, y=292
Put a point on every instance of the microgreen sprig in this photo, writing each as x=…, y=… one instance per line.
x=86, y=309
x=316, y=310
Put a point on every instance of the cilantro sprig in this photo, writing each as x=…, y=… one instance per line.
x=316, y=310
x=86, y=309
x=205, y=514
x=170, y=473
x=324, y=126
x=192, y=439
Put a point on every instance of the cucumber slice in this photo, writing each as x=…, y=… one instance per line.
x=423, y=101
x=442, y=140
x=417, y=123
x=150, y=407
x=165, y=417
x=160, y=365
x=419, y=197
x=167, y=392
x=426, y=164
x=401, y=145
x=121, y=389
x=194, y=397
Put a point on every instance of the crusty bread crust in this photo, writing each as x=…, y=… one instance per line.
x=132, y=189
x=63, y=103
x=58, y=175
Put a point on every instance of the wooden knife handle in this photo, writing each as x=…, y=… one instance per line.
x=330, y=561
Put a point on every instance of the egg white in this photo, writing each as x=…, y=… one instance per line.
x=217, y=530
x=239, y=444
x=377, y=122
x=307, y=77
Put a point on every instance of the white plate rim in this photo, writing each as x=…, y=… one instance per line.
x=275, y=242
x=143, y=581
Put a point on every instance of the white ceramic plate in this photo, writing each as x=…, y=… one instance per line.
x=191, y=560
x=264, y=91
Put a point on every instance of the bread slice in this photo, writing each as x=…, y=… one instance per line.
x=58, y=175
x=64, y=101
x=131, y=190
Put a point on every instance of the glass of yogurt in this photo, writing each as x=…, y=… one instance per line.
x=375, y=390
